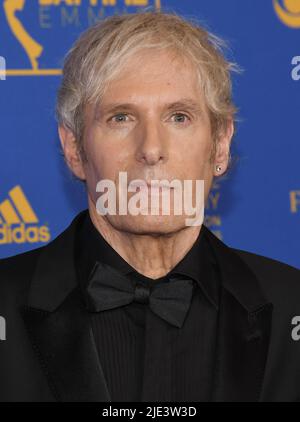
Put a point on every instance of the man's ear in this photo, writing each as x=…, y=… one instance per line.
x=223, y=148
x=71, y=151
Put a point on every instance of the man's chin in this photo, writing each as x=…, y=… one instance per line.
x=148, y=224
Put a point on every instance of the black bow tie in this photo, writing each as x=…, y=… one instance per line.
x=107, y=289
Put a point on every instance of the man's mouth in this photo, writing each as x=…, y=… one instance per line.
x=161, y=185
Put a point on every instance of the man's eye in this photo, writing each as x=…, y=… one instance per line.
x=121, y=118
x=118, y=118
x=181, y=117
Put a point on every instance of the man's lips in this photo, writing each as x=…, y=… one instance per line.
x=149, y=185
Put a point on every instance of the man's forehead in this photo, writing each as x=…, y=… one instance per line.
x=192, y=104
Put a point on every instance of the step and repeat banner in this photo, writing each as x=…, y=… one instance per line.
x=256, y=207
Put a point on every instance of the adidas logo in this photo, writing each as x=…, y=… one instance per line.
x=18, y=221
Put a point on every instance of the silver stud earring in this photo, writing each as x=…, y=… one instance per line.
x=218, y=168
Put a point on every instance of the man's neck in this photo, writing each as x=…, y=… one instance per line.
x=150, y=254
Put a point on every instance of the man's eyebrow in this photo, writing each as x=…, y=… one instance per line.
x=184, y=103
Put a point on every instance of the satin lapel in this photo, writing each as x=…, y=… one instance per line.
x=59, y=326
x=242, y=349
x=245, y=318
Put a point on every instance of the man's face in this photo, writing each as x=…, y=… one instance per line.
x=152, y=124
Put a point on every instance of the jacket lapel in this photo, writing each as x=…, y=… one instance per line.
x=244, y=328
x=59, y=326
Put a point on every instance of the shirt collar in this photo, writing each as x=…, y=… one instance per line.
x=198, y=264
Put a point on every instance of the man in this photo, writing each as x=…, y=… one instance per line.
x=143, y=306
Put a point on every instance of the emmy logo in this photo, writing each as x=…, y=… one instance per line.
x=2, y=328
x=22, y=17
x=2, y=69
x=288, y=11
x=32, y=47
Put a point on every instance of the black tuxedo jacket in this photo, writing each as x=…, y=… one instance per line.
x=49, y=353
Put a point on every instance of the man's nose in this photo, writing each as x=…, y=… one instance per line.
x=151, y=144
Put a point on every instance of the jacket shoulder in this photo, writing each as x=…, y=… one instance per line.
x=16, y=271
x=277, y=278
